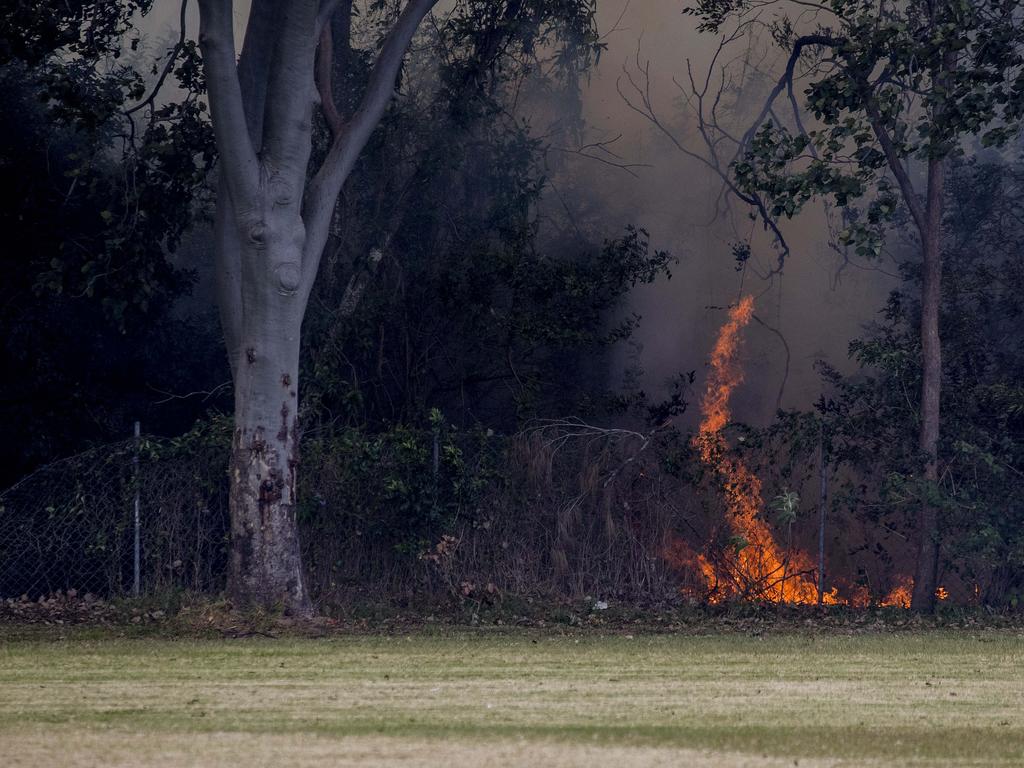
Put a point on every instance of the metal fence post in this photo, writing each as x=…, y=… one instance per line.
x=822, y=508
x=436, y=452
x=136, y=585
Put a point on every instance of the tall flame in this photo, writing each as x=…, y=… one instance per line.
x=755, y=568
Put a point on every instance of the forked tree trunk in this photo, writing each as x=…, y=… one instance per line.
x=271, y=227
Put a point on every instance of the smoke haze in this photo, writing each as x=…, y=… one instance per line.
x=816, y=305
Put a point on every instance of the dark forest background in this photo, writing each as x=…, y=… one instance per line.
x=467, y=430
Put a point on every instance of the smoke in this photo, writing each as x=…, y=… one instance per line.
x=816, y=304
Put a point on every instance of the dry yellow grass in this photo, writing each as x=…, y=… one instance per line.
x=940, y=698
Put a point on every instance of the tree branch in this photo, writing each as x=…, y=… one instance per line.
x=326, y=184
x=325, y=81
x=252, y=73
x=599, y=151
x=323, y=17
x=644, y=106
x=893, y=158
x=228, y=274
x=289, y=108
x=254, y=64
x=785, y=370
x=172, y=57
x=239, y=164
x=786, y=80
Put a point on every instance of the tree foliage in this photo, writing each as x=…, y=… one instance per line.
x=97, y=201
x=872, y=417
x=883, y=84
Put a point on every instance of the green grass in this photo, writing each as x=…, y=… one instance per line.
x=934, y=698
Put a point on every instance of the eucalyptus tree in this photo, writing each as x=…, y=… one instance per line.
x=895, y=88
x=274, y=214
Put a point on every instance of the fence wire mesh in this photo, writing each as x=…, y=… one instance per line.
x=376, y=514
x=70, y=525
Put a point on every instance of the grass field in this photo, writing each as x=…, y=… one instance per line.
x=474, y=699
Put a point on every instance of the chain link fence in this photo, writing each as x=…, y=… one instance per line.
x=373, y=512
x=570, y=511
x=72, y=524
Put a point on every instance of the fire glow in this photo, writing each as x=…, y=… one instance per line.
x=755, y=568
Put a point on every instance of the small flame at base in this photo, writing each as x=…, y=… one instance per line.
x=899, y=596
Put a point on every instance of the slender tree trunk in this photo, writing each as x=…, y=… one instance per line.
x=923, y=598
x=822, y=509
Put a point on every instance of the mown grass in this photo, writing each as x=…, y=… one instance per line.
x=523, y=698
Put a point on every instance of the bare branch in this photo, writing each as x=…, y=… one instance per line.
x=172, y=57
x=323, y=17
x=616, y=26
x=207, y=394
x=325, y=81
x=601, y=152
x=327, y=183
x=785, y=81
x=785, y=371
x=642, y=104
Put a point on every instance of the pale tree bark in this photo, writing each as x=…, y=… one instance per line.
x=271, y=228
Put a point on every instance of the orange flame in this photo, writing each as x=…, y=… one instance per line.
x=899, y=596
x=755, y=568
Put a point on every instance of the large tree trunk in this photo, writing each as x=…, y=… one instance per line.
x=923, y=598
x=266, y=566
x=271, y=227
